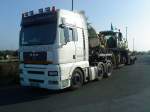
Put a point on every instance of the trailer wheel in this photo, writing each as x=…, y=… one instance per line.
x=100, y=72
x=109, y=70
x=114, y=60
x=76, y=79
x=124, y=60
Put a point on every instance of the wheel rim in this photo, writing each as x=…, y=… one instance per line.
x=77, y=79
x=100, y=71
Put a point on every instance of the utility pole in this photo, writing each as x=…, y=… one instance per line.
x=72, y=5
x=126, y=33
x=133, y=44
x=127, y=36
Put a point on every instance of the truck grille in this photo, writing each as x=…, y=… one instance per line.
x=34, y=56
x=36, y=80
x=36, y=72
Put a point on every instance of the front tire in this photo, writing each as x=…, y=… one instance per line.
x=76, y=79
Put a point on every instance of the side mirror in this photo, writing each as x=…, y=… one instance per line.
x=62, y=25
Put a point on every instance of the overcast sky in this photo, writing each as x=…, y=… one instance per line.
x=135, y=14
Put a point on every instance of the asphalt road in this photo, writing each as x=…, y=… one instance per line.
x=128, y=90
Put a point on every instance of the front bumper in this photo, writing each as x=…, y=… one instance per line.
x=37, y=76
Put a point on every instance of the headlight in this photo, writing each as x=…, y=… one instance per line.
x=52, y=73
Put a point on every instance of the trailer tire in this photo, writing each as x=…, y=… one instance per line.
x=100, y=72
x=124, y=60
x=76, y=79
x=114, y=61
x=109, y=69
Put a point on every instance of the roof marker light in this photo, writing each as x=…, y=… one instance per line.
x=40, y=11
x=47, y=9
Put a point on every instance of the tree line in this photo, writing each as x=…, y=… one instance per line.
x=4, y=53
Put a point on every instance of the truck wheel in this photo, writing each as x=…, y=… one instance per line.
x=114, y=62
x=129, y=61
x=77, y=79
x=100, y=72
x=124, y=60
x=109, y=70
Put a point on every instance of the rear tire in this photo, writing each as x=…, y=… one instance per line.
x=100, y=72
x=76, y=79
x=114, y=62
x=109, y=70
x=124, y=60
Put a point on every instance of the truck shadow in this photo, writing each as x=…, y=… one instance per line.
x=17, y=94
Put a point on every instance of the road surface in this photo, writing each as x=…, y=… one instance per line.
x=128, y=90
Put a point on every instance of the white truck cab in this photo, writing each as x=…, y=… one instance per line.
x=53, y=45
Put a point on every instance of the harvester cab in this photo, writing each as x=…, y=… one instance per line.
x=113, y=39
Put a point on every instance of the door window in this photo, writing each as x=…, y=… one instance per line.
x=71, y=35
x=62, y=36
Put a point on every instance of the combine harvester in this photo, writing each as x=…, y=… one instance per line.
x=115, y=42
x=59, y=50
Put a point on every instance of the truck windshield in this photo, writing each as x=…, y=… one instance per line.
x=38, y=34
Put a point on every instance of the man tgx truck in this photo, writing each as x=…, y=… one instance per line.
x=57, y=52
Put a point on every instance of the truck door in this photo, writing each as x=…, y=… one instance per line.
x=79, y=44
x=67, y=51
